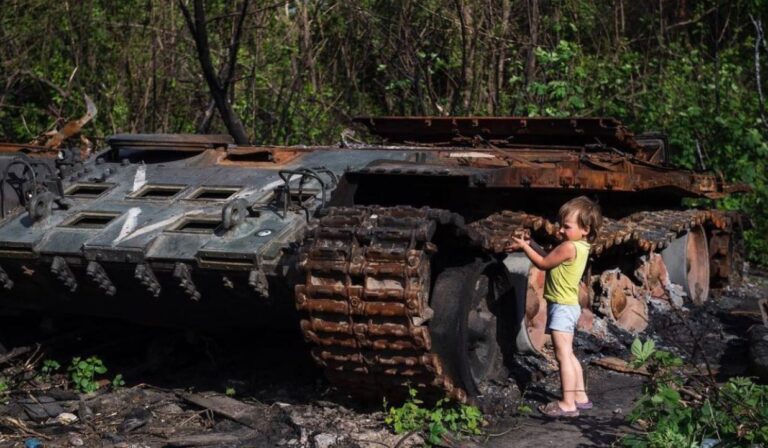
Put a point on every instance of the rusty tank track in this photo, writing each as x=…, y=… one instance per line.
x=364, y=300
x=648, y=231
x=366, y=273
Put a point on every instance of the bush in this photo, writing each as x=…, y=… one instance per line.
x=676, y=412
x=445, y=417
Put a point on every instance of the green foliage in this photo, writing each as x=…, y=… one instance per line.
x=49, y=367
x=446, y=416
x=642, y=351
x=83, y=373
x=118, y=381
x=230, y=392
x=734, y=414
x=4, y=387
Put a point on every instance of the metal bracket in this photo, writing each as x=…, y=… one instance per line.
x=62, y=271
x=144, y=274
x=305, y=175
x=234, y=213
x=183, y=274
x=99, y=276
x=31, y=188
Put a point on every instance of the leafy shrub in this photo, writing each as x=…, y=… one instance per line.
x=446, y=416
x=682, y=413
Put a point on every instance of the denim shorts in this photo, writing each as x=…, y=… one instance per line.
x=562, y=317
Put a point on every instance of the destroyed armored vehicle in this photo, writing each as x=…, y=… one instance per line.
x=389, y=256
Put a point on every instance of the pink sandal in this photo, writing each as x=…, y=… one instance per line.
x=584, y=406
x=553, y=409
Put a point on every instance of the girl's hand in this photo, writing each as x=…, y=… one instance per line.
x=516, y=244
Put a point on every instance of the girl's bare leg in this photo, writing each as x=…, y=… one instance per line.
x=563, y=343
x=580, y=390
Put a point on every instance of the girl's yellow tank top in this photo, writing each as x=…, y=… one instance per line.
x=562, y=282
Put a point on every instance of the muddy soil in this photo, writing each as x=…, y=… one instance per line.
x=262, y=389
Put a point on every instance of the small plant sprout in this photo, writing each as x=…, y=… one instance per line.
x=642, y=351
x=49, y=367
x=118, y=381
x=230, y=392
x=83, y=373
x=3, y=390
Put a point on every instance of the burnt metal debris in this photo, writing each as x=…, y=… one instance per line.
x=389, y=256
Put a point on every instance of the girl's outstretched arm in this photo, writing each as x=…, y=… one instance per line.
x=565, y=251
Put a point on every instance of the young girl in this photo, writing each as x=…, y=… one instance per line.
x=580, y=219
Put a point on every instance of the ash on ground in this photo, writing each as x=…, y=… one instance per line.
x=262, y=389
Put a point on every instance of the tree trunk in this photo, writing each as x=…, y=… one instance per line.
x=219, y=89
x=533, y=28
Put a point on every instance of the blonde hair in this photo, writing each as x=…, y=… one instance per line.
x=588, y=215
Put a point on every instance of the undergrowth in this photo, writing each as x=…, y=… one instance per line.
x=682, y=410
x=445, y=417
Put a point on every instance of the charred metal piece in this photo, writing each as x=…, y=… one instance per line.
x=621, y=303
x=257, y=280
x=687, y=260
x=5, y=280
x=144, y=274
x=61, y=269
x=99, y=276
x=183, y=274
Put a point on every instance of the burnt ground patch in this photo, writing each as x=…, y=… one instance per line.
x=712, y=338
x=260, y=388
x=183, y=388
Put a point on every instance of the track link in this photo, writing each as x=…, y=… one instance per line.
x=647, y=231
x=364, y=300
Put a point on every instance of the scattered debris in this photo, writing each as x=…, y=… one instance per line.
x=619, y=365
x=66, y=418
x=278, y=404
x=16, y=352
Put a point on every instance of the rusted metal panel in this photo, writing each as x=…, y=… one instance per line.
x=503, y=130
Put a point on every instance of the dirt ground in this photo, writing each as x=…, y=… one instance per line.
x=258, y=389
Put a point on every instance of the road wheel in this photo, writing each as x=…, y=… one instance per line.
x=471, y=304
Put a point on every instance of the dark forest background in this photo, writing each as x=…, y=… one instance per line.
x=294, y=72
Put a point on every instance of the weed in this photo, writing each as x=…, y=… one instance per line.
x=524, y=408
x=118, y=381
x=679, y=411
x=230, y=392
x=446, y=416
x=49, y=367
x=83, y=373
x=3, y=390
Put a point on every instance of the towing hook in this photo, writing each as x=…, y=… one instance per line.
x=234, y=213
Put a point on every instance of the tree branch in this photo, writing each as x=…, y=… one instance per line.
x=759, y=40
